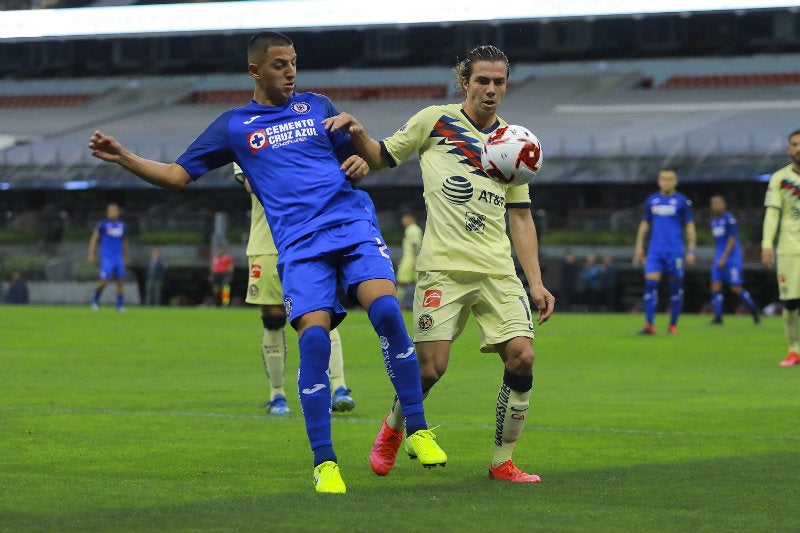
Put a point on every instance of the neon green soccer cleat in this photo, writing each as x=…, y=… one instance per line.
x=422, y=445
x=327, y=478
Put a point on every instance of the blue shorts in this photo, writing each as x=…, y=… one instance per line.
x=112, y=269
x=313, y=267
x=665, y=262
x=730, y=275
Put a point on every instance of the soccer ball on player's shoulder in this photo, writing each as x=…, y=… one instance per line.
x=512, y=155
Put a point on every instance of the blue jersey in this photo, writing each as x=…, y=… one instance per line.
x=291, y=162
x=723, y=228
x=667, y=216
x=112, y=235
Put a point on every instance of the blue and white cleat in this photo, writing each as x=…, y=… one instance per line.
x=342, y=401
x=278, y=405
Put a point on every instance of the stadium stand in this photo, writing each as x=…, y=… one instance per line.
x=733, y=80
x=598, y=124
x=234, y=97
x=595, y=126
x=43, y=100
x=596, y=121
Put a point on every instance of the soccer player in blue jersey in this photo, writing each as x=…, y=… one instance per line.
x=727, y=267
x=667, y=215
x=323, y=228
x=112, y=236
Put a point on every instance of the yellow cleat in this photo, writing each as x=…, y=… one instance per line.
x=422, y=445
x=327, y=478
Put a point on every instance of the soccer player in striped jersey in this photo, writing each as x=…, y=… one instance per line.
x=727, y=267
x=112, y=235
x=782, y=221
x=264, y=289
x=667, y=215
x=465, y=263
x=323, y=228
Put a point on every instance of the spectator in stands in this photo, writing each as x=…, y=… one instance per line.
x=609, y=275
x=154, y=282
x=17, y=290
x=569, y=278
x=669, y=214
x=112, y=235
x=591, y=282
x=324, y=230
x=220, y=274
x=465, y=264
x=781, y=220
x=407, y=268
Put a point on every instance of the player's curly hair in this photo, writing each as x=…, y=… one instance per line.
x=486, y=52
x=261, y=42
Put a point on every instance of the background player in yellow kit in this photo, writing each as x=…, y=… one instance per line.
x=782, y=219
x=264, y=288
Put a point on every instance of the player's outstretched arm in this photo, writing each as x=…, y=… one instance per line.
x=523, y=236
x=366, y=146
x=165, y=175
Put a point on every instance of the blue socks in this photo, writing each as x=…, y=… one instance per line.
x=650, y=300
x=313, y=386
x=748, y=300
x=716, y=303
x=400, y=359
x=675, y=300
x=744, y=297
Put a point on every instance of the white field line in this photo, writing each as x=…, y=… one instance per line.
x=375, y=422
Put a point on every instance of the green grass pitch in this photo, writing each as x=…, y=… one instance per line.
x=151, y=421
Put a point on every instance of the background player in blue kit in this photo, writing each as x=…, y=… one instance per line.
x=727, y=267
x=112, y=236
x=667, y=214
x=323, y=229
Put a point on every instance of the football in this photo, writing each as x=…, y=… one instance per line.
x=512, y=155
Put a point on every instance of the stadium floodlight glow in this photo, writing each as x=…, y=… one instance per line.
x=211, y=17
